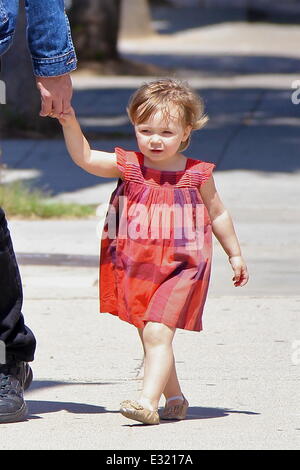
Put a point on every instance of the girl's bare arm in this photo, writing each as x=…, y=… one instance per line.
x=93, y=161
x=223, y=229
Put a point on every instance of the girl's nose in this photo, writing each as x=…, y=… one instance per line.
x=155, y=139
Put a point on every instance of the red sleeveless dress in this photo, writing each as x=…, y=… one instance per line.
x=156, y=245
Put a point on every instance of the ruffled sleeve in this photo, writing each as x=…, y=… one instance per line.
x=206, y=169
x=121, y=160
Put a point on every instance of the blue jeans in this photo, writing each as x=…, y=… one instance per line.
x=48, y=35
x=18, y=338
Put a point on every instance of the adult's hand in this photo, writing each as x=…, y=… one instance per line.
x=56, y=94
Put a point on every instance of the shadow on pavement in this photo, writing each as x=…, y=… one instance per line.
x=58, y=259
x=221, y=65
x=172, y=20
x=37, y=384
x=197, y=412
x=37, y=407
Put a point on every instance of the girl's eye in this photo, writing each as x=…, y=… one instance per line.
x=145, y=131
x=167, y=133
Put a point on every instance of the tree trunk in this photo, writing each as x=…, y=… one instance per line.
x=135, y=19
x=95, y=26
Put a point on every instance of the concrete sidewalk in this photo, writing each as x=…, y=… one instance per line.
x=243, y=368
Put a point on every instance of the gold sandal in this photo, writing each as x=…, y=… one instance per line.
x=134, y=410
x=175, y=412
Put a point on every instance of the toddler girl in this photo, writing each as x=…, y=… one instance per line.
x=156, y=244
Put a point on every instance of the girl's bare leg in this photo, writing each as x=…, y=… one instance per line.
x=140, y=330
x=158, y=363
x=172, y=387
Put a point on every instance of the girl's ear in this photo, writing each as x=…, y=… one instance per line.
x=186, y=139
x=187, y=133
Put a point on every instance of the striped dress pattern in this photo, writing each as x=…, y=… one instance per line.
x=156, y=244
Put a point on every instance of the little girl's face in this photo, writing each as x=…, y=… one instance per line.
x=159, y=138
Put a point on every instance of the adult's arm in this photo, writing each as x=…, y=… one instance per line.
x=51, y=48
x=48, y=34
x=49, y=38
x=8, y=15
x=53, y=54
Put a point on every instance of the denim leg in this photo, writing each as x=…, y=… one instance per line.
x=18, y=338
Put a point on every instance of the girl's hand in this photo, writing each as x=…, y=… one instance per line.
x=239, y=267
x=65, y=119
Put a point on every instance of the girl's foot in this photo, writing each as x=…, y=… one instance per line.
x=175, y=408
x=134, y=410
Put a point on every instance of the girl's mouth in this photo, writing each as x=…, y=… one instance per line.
x=155, y=150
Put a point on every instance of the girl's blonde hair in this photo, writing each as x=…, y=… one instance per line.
x=159, y=95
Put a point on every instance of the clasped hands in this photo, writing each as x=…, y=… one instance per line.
x=56, y=94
